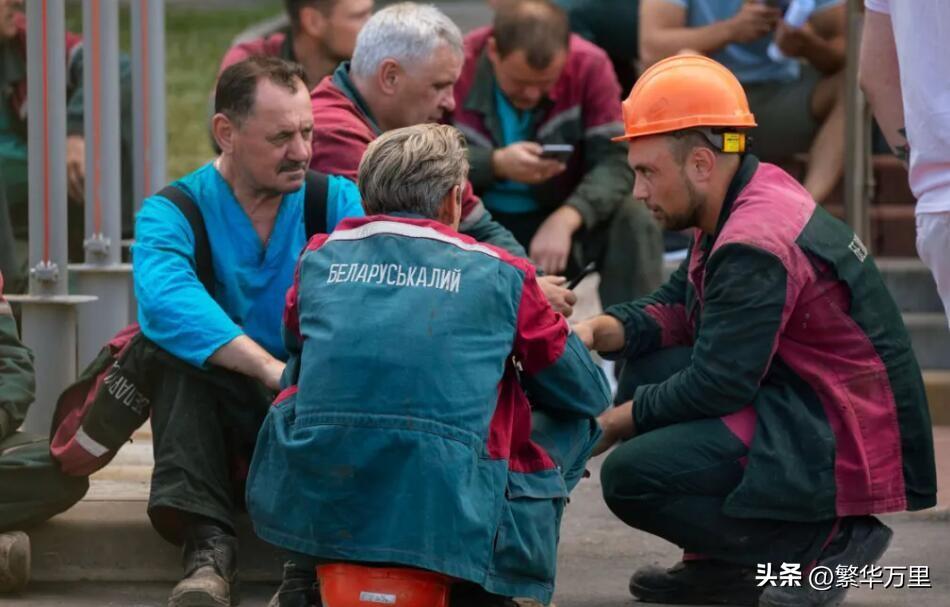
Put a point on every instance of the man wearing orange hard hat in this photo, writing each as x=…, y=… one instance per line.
x=770, y=402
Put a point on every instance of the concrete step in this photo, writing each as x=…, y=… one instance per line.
x=107, y=536
x=106, y=539
x=931, y=339
x=890, y=181
x=911, y=284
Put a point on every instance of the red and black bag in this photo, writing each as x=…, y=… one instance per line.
x=98, y=413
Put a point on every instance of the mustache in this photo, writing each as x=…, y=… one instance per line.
x=290, y=167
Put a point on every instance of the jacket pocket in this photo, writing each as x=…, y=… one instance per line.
x=525, y=548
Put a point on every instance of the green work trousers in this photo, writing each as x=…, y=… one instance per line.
x=673, y=482
x=204, y=427
x=32, y=487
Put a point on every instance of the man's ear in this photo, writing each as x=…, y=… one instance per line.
x=450, y=209
x=223, y=130
x=701, y=164
x=389, y=74
x=312, y=22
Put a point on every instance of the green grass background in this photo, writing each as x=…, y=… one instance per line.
x=195, y=40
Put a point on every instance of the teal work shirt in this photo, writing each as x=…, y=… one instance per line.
x=510, y=196
x=251, y=278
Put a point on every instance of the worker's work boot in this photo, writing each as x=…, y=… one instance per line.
x=696, y=582
x=210, y=563
x=473, y=595
x=14, y=561
x=860, y=541
x=299, y=586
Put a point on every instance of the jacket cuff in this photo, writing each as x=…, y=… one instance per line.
x=588, y=215
x=75, y=126
x=480, y=172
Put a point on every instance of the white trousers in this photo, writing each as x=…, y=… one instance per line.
x=933, y=246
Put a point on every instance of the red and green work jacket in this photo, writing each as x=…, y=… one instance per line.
x=800, y=349
x=17, y=381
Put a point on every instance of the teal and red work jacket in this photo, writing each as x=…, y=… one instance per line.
x=800, y=349
x=403, y=434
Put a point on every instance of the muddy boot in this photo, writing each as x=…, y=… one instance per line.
x=14, y=561
x=210, y=563
x=299, y=586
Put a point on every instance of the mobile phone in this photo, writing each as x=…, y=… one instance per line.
x=557, y=151
x=589, y=268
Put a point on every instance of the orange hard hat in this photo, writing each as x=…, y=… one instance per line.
x=353, y=585
x=682, y=92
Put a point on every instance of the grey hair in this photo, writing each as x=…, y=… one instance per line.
x=406, y=32
x=412, y=169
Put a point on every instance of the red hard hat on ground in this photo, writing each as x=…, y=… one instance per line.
x=682, y=92
x=351, y=585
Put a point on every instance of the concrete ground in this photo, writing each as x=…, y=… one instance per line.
x=597, y=555
x=107, y=537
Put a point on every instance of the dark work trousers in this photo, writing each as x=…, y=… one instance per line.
x=673, y=481
x=32, y=487
x=204, y=427
x=628, y=249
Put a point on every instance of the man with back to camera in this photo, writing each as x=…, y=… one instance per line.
x=438, y=463
x=772, y=402
x=407, y=58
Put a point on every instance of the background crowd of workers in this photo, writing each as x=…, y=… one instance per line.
x=769, y=395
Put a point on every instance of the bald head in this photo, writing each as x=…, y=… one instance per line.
x=539, y=28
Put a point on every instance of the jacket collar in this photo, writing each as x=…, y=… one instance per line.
x=341, y=78
x=747, y=168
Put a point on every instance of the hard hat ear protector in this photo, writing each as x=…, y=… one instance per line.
x=726, y=140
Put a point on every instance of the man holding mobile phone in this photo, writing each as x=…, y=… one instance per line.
x=538, y=110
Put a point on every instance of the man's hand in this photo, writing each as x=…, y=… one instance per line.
x=794, y=41
x=75, y=168
x=617, y=424
x=585, y=333
x=753, y=21
x=551, y=246
x=603, y=333
x=522, y=162
x=561, y=299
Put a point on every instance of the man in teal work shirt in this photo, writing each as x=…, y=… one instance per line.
x=227, y=352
